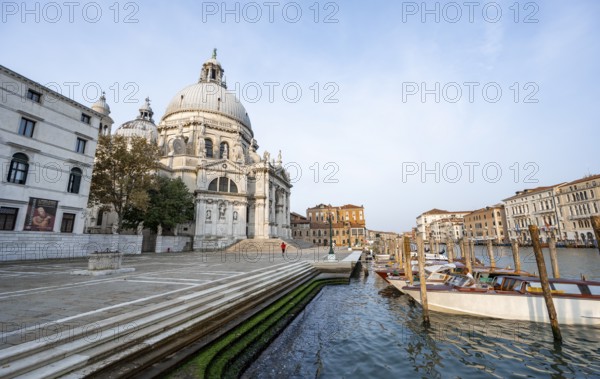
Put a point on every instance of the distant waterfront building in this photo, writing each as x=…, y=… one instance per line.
x=300, y=227
x=426, y=219
x=387, y=242
x=444, y=228
x=47, y=148
x=486, y=223
x=537, y=206
x=578, y=200
x=348, y=224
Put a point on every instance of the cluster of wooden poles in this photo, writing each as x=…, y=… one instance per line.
x=468, y=251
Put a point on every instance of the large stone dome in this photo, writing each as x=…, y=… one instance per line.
x=208, y=97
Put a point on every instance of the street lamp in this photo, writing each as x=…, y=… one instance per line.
x=349, y=243
x=331, y=255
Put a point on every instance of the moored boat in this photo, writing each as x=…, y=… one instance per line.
x=577, y=302
x=436, y=274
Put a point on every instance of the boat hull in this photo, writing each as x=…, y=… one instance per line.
x=521, y=307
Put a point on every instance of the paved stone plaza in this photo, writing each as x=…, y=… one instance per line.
x=41, y=300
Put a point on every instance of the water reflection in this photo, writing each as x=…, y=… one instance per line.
x=354, y=331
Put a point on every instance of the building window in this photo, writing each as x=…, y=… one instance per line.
x=26, y=127
x=74, y=180
x=80, y=146
x=223, y=184
x=86, y=119
x=19, y=165
x=208, y=146
x=99, y=218
x=33, y=95
x=8, y=218
x=68, y=220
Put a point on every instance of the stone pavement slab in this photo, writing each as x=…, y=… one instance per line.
x=40, y=300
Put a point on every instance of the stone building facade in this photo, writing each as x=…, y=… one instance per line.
x=47, y=148
x=206, y=138
x=445, y=228
x=426, y=219
x=578, y=201
x=486, y=223
x=348, y=224
x=537, y=206
x=300, y=227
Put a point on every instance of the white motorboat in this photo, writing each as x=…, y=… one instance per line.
x=577, y=302
x=436, y=274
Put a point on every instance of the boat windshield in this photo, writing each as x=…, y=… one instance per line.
x=457, y=281
x=594, y=290
x=569, y=288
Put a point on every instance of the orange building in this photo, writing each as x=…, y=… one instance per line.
x=348, y=224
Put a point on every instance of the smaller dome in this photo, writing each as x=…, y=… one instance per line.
x=101, y=106
x=142, y=126
x=138, y=128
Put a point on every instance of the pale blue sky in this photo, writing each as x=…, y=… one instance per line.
x=372, y=59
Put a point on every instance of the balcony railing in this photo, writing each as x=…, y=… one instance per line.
x=583, y=217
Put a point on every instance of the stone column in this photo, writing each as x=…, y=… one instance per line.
x=261, y=219
x=230, y=232
x=251, y=221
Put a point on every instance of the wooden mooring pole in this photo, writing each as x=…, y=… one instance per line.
x=553, y=256
x=423, y=280
x=400, y=253
x=450, y=248
x=539, y=258
x=407, y=266
x=472, y=253
x=514, y=244
x=467, y=254
x=490, y=250
x=431, y=245
x=596, y=226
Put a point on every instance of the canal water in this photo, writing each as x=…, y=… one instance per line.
x=369, y=330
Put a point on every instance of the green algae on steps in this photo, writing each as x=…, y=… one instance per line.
x=228, y=356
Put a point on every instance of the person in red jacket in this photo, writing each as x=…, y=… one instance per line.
x=283, y=246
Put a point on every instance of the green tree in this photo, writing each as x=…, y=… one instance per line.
x=170, y=203
x=124, y=171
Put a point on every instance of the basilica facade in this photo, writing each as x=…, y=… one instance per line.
x=205, y=138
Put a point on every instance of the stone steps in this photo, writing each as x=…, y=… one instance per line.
x=173, y=339
x=266, y=245
x=80, y=355
x=300, y=244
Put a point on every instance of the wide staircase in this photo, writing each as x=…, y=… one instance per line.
x=270, y=245
x=123, y=344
